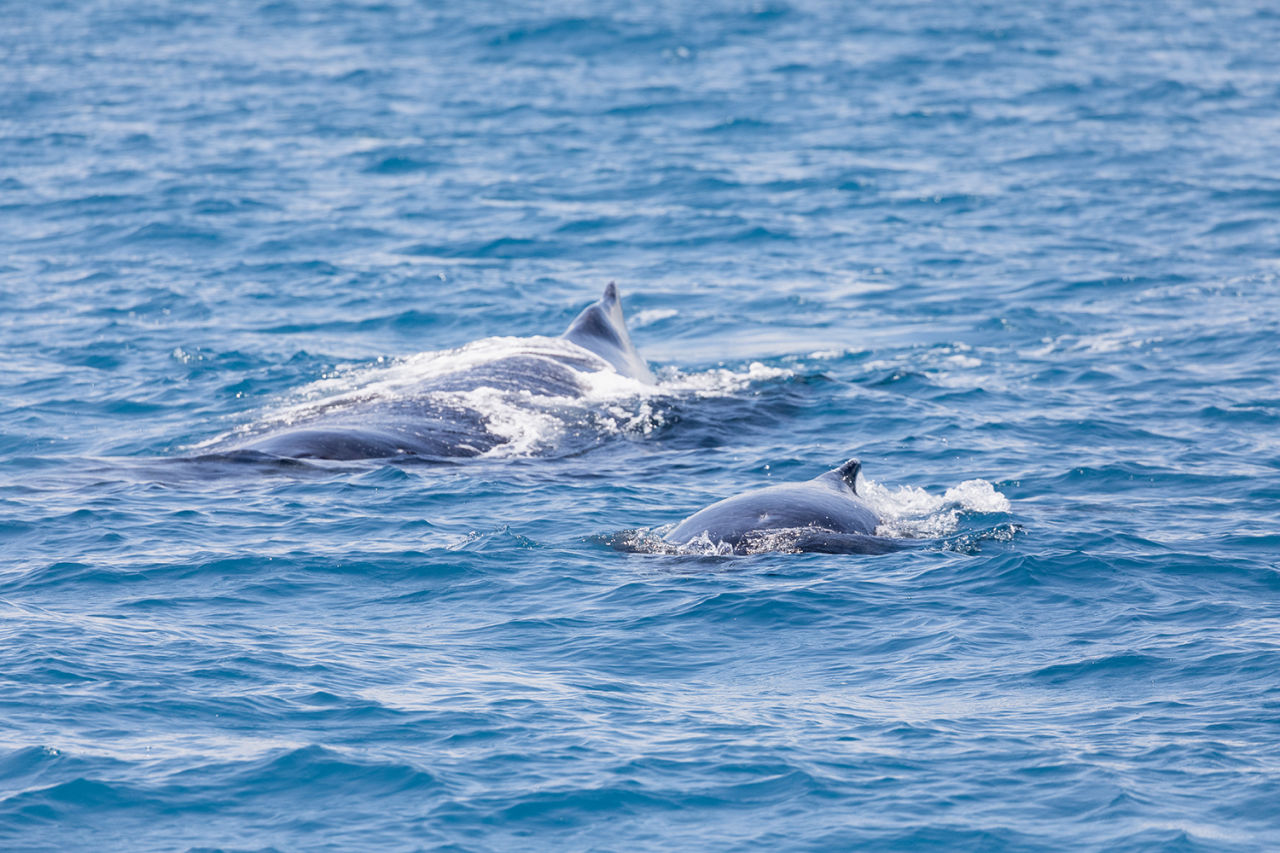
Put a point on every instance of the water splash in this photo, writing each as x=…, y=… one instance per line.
x=574, y=397
x=911, y=512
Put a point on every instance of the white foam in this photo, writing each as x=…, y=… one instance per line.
x=528, y=422
x=701, y=545
x=910, y=512
x=403, y=377
x=650, y=316
x=907, y=512
x=525, y=430
x=719, y=382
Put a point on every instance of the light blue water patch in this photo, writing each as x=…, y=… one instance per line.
x=1019, y=261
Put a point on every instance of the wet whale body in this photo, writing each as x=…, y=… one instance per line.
x=468, y=403
x=824, y=514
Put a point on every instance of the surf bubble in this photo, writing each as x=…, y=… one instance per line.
x=524, y=430
x=702, y=545
x=910, y=512
x=638, y=540
x=585, y=396
x=720, y=382
x=405, y=377
x=649, y=316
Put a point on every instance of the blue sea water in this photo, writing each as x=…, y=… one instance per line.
x=1022, y=260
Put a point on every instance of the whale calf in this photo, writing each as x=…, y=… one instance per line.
x=823, y=514
x=467, y=402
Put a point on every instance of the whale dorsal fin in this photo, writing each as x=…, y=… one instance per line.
x=847, y=474
x=601, y=328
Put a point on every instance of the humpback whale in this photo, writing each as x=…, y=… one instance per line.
x=823, y=514
x=466, y=403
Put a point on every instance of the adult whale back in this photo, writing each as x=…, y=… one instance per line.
x=823, y=514
x=466, y=402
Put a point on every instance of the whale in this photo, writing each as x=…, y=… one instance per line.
x=824, y=514
x=465, y=403
x=601, y=329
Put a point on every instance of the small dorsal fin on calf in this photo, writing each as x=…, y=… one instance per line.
x=848, y=472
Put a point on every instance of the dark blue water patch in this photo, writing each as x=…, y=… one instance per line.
x=547, y=42
x=176, y=232
x=324, y=769
x=311, y=238
x=400, y=160
x=229, y=206
x=1119, y=669
x=501, y=248
x=55, y=803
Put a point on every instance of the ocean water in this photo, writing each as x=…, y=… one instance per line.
x=1022, y=261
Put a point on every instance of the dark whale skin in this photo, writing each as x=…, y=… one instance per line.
x=826, y=513
x=429, y=425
